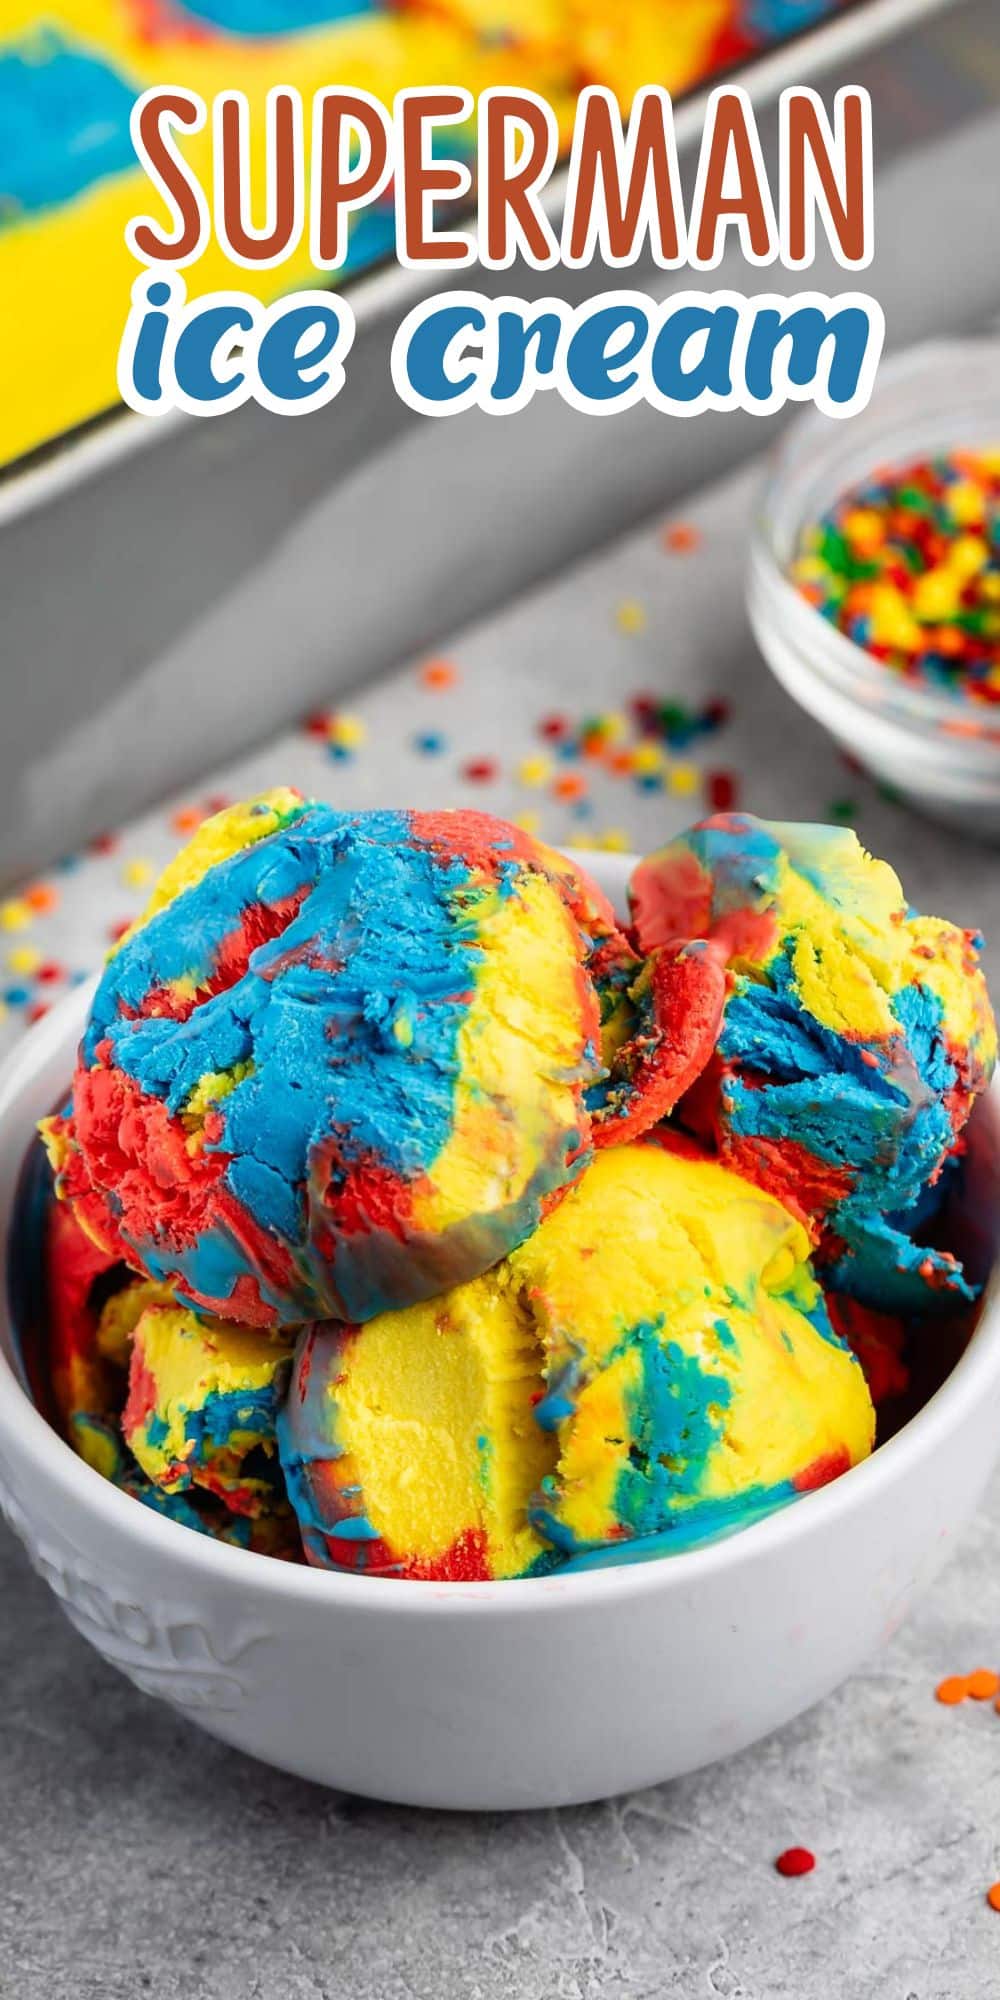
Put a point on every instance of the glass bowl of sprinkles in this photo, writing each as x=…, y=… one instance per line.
x=874, y=582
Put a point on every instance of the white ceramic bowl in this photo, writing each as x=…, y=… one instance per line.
x=535, y=1693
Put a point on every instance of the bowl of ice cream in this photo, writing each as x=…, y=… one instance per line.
x=639, y=1342
x=874, y=578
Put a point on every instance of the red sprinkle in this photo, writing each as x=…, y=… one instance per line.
x=480, y=770
x=720, y=787
x=318, y=724
x=717, y=713
x=116, y=931
x=104, y=843
x=36, y=1010
x=553, y=727
x=796, y=1861
x=50, y=972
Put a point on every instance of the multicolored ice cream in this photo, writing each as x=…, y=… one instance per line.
x=202, y=1401
x=417, y=1216
x=653, y=1366
x=855, y=1038
x=343, y=1060
x=141, y=1415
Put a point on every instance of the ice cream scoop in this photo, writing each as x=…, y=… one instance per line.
x=202, y=1400
x=653, y=1366
x=855, y=1038
x=340, y=1061
x=343, y=1060
x=410, y=1446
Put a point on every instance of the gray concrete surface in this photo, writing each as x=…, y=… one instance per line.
x=139, y=1858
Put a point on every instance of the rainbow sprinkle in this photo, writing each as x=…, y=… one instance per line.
x=908, y=566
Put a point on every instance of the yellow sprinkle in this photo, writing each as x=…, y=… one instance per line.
x=24, y=958
x=584, y=841
x=402, y=1029
x=534, y=770
x=965, y=502
x=614, y=840
x=613, y=726
x=630, y=616
x=865, y=529
x=647, y=757
x=968, y=553
x=528, y=822
x=137, y=873
x=892, y=621
x=15, y=915
x=683, y=779
x=936, y=594
x=348, y=730
x=809, y=569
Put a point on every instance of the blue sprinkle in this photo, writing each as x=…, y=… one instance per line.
x=340, y=752
x=431, y=743
x=17, y=996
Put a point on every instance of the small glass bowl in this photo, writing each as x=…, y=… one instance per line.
x=940, y=750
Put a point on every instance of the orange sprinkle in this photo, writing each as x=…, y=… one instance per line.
x=438, y=674
x=42, y=897
x=681, y=537
x=571, y=786
x=993, y=1896
x=952, y=1690
x=186, y=820
x=983, y=1685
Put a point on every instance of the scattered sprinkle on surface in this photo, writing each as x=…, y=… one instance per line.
x=953, y=1689
x=681, y=537
x=438, y=675
x=796, y=1861
x=630, y=616
x=984, y=1684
